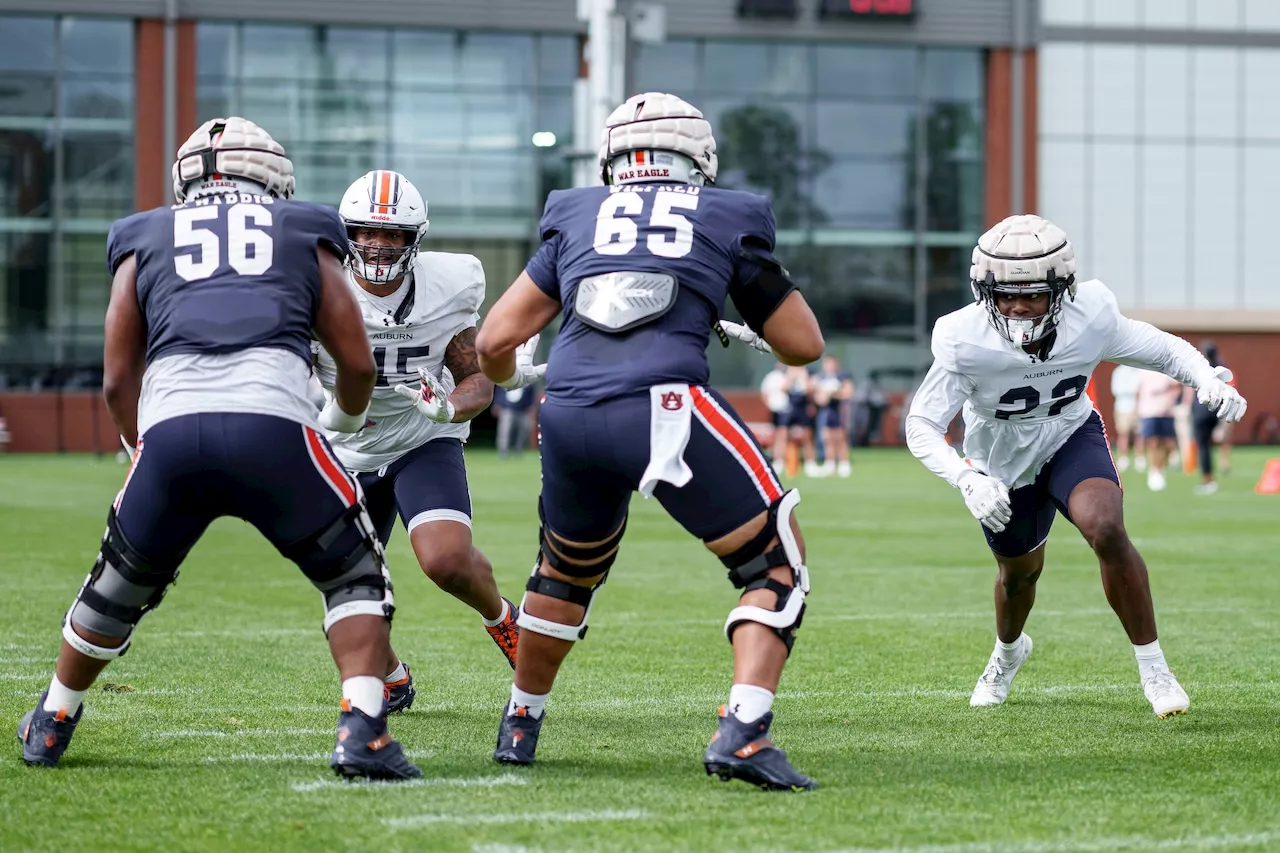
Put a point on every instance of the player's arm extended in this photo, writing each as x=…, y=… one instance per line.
x=124, y=351
x=339, y=327
x=519, y=314
x=936, y=402
x=1140, y=344
x=473, y=391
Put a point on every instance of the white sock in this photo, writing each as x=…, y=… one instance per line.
x=364, y=692
x=63, y=698
x=397, y=674
x=749, y=703
x=1008, y=652
x=1150, y=659
x=533, y=703
x=493, y=623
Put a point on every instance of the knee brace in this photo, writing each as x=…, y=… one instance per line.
x=573, y=560
x=122, y=588
x=749, y=570
x=355, y=584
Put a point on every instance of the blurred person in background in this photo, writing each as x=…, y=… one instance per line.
x=800, y=417
x=773, y=391
x=1204, y=423
x=1124, y=417
x=1157, y=395
x=514, y=409
x=832, y=389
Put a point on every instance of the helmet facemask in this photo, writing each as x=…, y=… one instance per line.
x=1022, y=331
x=1023, y=255
x=379, y=264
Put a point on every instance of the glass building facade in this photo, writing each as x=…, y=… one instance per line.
x=872, y=155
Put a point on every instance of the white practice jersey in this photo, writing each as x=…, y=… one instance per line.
x=410, y=329
x=1018, y=410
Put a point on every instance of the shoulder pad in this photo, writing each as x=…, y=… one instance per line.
x=125, y=238
x=552, y=213
x=318, y=224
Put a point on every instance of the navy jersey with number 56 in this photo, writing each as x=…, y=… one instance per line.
x=227, y=273
x=697, y=234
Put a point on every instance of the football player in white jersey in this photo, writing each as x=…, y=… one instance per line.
x=1017, y=361
x=420, y=311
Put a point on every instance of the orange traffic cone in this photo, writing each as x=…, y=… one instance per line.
x=1191, y=458
x=793, y=459
x=1269, y=482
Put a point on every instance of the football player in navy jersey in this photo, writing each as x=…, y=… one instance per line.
x=205, y=369
x=641, y=268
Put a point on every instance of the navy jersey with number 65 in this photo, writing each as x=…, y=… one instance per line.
x=699, y=235
x=226, y=273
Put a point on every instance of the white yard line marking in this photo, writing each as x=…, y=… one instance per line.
x=477, y=782
x=195, y=733
x=269, y=758
x=529, y=817
x=1081, y=845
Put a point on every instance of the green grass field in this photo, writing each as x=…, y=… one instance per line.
x=213, y=733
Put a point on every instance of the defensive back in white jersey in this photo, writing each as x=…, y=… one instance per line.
x=1019, y=410
x=410, y=329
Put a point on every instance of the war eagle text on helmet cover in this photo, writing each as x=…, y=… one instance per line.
x=656, y=121
x=230, y=149
x=1023, y=249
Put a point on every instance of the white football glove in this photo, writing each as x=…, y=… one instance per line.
x=334, y=419
x=430, y=397
x=1221, y=398
x=744, y=334
x=987, y=498
x=527, y=372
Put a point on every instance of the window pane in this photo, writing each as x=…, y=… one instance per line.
x=761, y=150
x=854, y=70
x=24, y=285
x=325, y=170
x=759, y=68
x=859, y=289
x=88, y=291
x=1114, y=98
x=271, y=50
x=99, y=175
x=668, y=67
x=497, y=61
x=353, y=54
x=946, y=281
x=557, y=60
x=954, y=147
x=555, y=113
x=98, y=99
x=854, y=127
x=425, y=57
x=436, y=123
x=215, y=50
x=216, y=100
x=497, y=122
x=26, y=173
x=26, y=94
x=91, y=45
x=29, y=44
x=953, y=75
x=863, y=194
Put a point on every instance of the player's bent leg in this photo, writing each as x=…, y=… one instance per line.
x=765, y=559
x=553, y=616
x=1097, y=510
x=1015, y=594
x=445, y=552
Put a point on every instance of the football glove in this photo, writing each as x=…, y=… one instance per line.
x=430, y=397
x=1221, y=398
x=987, y=498
x=744, y=334
x=527, y=372
x=334, y=419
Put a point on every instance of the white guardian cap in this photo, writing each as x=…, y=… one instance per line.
x=383, y=200
x=225, y=154
x=658, y=137
x=1028, y=255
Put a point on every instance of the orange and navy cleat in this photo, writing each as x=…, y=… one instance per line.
x=507, y=633
x=365, y=749
x=517, y=737
x=399, y=695
x=744, y=751
x=45, y=734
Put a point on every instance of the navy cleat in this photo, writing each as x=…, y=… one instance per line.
x=399, y=695
x=46, y=734
x=744, y=751
x=507, y=633
x=518, y=737
x=365, y=748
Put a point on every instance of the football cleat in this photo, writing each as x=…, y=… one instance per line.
x=1165, y=694
x=507, y=634
x=399, y=695
x=994, y=683
x=46, y=734
x=518, y=737
x=365, y=749
x=744, y=751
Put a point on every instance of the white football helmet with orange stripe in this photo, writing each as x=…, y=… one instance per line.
x=383, y=200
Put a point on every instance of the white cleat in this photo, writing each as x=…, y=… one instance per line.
x=1155, y=480
x=844, y=469
x=993, y=686
x=1165, y=694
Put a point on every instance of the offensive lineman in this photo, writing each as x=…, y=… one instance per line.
x=641, y=268
x=1018, y=361
x=206, y=363
x=420, y=311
